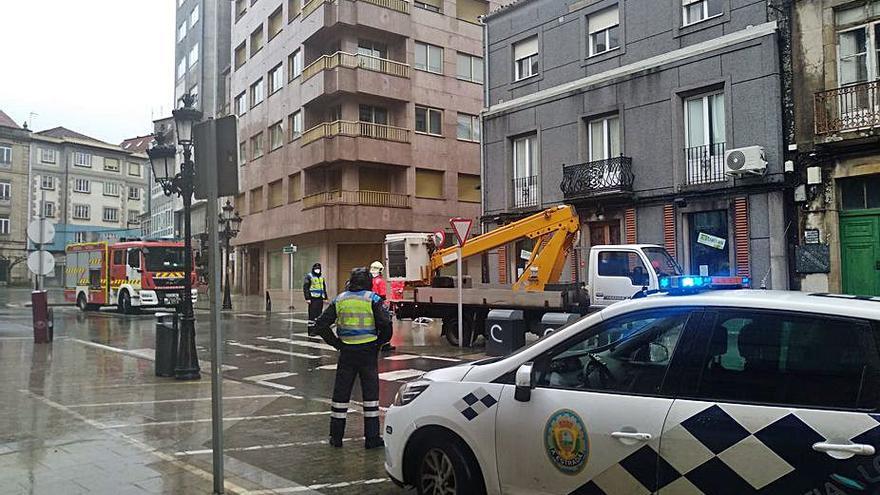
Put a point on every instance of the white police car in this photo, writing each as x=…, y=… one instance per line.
x=716, y=392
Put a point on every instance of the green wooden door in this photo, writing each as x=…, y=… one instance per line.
x=860, y=254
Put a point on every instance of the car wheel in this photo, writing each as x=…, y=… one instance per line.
x=445, y=469
x=125, y=306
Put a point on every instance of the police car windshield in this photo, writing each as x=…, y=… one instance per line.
x=663, y=264
x=165, y=259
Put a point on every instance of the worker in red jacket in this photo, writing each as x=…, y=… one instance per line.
x=380, y=288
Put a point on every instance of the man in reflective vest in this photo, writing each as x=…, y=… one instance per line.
x=315, y=291
x=362, y=326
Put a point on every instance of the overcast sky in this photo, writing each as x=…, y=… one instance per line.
x=104, y=68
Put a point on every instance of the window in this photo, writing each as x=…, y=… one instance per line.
x=693, y=11
x=47, y=182
x=4, y=224
x=432, y=5
x=256, y=40
x=240, y=8
x=468, y=127
x=623, y=264
x=194, y=55
x=470, y=68
x=5, y=190
x=276, y=79
x=705, y=130
x=525, y=58
x=276, y=136
x=471, y=10
x=134, y=193
x=469, y=188
x=778, y=358
x=256, y=197
x=241, y=103
x=181, y=32
x=110, y=214
x=242, y=153
x=429, y=121
x=5, y=153
x=858, y=49
x=604, y=138
x=294, y=64
x=429, y=183
x=294, y=188
x=709, y=246
x=240, y=55
x=47, y=155
x=79, y=237
x=81, y=212
x=295, y=123
x=111, y=164
x=257, y=146
x=49, y=209
x=629, y=355
x=429, y=57
x=276, y=21
x=81, y=159
x=111, y=189
x=525, y=172
x=370, y=54
x=194, y=92
x=134, y=217
x=276, y=197
x=604, y=29
x=194, y=16
x=257, y=93
x=373, y=114
x=134, y=169
x=181, y=68
x=82, y=186
x=294, y=7
x=860, y=193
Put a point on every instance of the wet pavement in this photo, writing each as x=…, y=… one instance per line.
x=86, y=414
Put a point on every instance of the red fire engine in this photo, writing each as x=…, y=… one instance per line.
x=129, y=274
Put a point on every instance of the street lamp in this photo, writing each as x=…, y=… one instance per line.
x=230, y=224
x=163, y=159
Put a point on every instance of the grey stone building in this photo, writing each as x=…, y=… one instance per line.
x=633, y=111
x=15, y=143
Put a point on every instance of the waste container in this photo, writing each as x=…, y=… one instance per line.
x=40, y=310
x=551, y=322
x=166, y=343
x=505, y=331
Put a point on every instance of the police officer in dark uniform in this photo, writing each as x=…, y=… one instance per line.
x=362, y=326
x=315, y=291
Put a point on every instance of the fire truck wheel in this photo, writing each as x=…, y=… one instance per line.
x=82, y=303
x=124, y=305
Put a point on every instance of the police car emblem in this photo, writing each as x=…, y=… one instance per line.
x=566, y=442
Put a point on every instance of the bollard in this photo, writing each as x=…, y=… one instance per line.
x=166, y=343
x=40, y=310
x=268, y=303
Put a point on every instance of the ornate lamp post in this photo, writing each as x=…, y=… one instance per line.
x=230, y=224
x=163, y=158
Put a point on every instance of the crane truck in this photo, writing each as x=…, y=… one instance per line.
x=615, y=273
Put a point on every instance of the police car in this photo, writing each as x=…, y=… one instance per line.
x=715, y=392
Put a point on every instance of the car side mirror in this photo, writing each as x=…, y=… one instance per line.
x=525, y=382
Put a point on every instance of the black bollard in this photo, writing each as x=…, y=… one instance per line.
x=268, y=303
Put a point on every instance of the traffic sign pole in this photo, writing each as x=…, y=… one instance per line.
x=462, y=228
x=290, y=251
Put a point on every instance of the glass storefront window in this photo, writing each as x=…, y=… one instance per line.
x=709, y=243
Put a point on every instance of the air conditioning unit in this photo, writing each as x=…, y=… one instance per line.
x=740, y=162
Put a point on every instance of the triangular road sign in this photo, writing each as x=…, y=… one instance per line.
x=462, y=229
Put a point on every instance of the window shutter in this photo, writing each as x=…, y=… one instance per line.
x=669, y=229
x=502, y=265
x=525, y=48
x=629, y=221
x=741, y=235
x=603, y=19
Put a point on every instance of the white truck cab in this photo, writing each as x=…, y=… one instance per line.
x=619, y=272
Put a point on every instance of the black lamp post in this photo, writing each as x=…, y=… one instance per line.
x=230, y=224
x=163, y=158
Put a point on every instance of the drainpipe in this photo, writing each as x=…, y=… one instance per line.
x=485, y=27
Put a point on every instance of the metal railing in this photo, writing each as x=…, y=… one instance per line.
x=705, y=164
x=356, y=61
x=355, y=129
x=525, y=192
x=360, y=198
x=597, y=177
x=849, y=108
x=397, y=5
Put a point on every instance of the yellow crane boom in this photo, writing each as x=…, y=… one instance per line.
x=553, y=231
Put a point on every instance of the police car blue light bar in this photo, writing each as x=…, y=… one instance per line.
x=692, y=283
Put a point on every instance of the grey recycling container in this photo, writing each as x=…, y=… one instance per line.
x=505, y=331
x=551, y=322
x=166, y=343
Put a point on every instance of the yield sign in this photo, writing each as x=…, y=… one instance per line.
x=462, y=229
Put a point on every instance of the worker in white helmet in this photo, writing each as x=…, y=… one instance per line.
x=380, y=288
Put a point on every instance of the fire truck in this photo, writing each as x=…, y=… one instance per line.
x=130, y=275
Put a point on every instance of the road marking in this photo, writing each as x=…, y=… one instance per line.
x=402, y=357
x=171, y=401
x=303, y=343
x=272, y=351
x=148, y=354
x=29, y=338
x=390, y=376
x=300, y=489
x=270, y=376
x=327, y=367
x=208, y=420
x=297, y=320
x=262, y=447
x=276, y=362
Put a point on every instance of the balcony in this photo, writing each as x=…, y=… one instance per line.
x=848, y=109
x=355, y=61
x=525, y=192
x=401, y=6
x=355, y=74
x=357, y=198
x=356, y=142
x=598, y=178
x=348, y=128
x=705, y=164
x=386, y=15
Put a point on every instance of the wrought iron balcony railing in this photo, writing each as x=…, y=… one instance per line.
x=598, y=177
x=362, y=198
x=525, y=192
x=705, y=164
x=849, y=108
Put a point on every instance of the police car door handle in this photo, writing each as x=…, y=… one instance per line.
x=852, y=448
x=627, y=435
